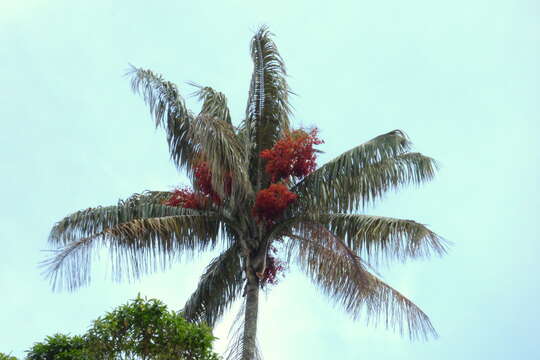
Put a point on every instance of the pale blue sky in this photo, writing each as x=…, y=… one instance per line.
x=460, y=77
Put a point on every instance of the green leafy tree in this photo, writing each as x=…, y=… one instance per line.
x=145, y=329
x=58, y=347
x=142, y=329
x=7, y=357
x=320, y=229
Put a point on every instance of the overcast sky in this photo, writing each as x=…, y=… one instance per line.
x=461, y=78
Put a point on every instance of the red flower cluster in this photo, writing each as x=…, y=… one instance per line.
x=292, y=155
x=187, y=199
x=270, y=203
x=273, y=267
x=203, y=178
x=190, y=199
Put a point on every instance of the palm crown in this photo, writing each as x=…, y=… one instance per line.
x=319, y=228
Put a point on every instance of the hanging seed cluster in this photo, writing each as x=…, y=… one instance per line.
x=293, y=155
x=186, y=198
x=191, y=199
x=274, y=266
x=270, y=203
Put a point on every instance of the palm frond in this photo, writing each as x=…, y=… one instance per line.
x=218, y=287
x=340, y=274
x=352, y=181
x=268, y=108
x=137, y=247
x=377, y=238
x=220, y=147
x=214, y=102
x=91, y=221
x=169, y=111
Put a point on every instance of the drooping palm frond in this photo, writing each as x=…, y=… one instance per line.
x=220, y=147
x=169, y=111
x=137, y=247
x=340, y=274
x=218, y=142
x=355, y=179
x=268, y=108
x=214, y=102
x=92, y=221
x=382, y=238
x=218, y=287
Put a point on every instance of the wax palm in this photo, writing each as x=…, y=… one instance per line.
x=320, y=231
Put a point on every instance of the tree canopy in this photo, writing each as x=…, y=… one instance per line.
x=141, y=329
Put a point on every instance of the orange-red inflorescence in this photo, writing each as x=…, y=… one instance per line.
x=203, y=178
x=186, y=198
x=270, y=203
x=190, y=199
x=273, y=267
x=292, y=155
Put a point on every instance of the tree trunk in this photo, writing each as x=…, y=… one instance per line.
x=250, y=320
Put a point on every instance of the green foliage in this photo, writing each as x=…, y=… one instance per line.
x=7, y=357
x=146, y=329
x=140, y=329
x=58, y=347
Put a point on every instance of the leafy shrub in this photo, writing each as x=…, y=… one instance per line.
x=59, y=347
x=146, y=329
x=7, y=357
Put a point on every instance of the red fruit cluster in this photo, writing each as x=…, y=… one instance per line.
x=187, y=199
x=270, y=203
x=292, y=155
x=203, y=179
x=273, y=267
x=190, y=199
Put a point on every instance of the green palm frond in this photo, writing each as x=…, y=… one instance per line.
x=91, y=221
x=137, y=247
x=382, y=238
x=350, y=182
x=218, y=287
x=340, y=274
x=268, y=108
x=169, y=111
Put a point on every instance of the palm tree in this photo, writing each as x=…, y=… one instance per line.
x=321, y=231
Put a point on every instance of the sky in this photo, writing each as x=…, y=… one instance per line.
x=461, y=78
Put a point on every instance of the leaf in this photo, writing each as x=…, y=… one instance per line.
x=363, y=174
x=340, y=274
x=137, y=247
x=268, y=108
x=169, y=111
x=91, y=221
x=378, y=238
x=218, y=287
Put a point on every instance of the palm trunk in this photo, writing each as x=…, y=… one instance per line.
x=250, y=320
